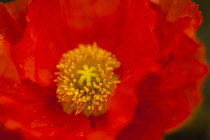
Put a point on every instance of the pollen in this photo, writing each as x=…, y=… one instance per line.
x=86, y=80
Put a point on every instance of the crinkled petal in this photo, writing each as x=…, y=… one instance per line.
x=159, y=110
x=167, y=97
x=187, y=17
x=85, y=22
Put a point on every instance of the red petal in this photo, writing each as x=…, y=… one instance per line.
x=119, y=114
x=56, y=34
x=137, y=45
x=7, y=68
x=9, y=135
x=9, y=82
x=32, y=110
x=38, y=115
x=159, y=109
x=167, y=97
x=12, y=20
x=112, y=30
x=184, y=13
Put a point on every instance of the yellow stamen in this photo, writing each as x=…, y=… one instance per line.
x=86, y=80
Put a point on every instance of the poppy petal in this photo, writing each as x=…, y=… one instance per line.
x=12, y=20
x=46, y=34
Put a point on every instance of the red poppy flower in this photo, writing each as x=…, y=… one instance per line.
x=160, y=72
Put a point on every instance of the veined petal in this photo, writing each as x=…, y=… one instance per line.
x=111, y=30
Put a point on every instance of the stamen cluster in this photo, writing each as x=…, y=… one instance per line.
x=86, y=80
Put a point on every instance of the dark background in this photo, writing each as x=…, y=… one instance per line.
x=199, y=127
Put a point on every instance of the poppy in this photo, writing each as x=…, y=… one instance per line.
x=98, y=69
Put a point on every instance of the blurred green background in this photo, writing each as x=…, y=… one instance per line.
x=199, y=127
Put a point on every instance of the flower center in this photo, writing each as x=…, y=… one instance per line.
x=86, y=80
x=87, y=74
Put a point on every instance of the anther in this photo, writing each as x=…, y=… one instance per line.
x=86, y=80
